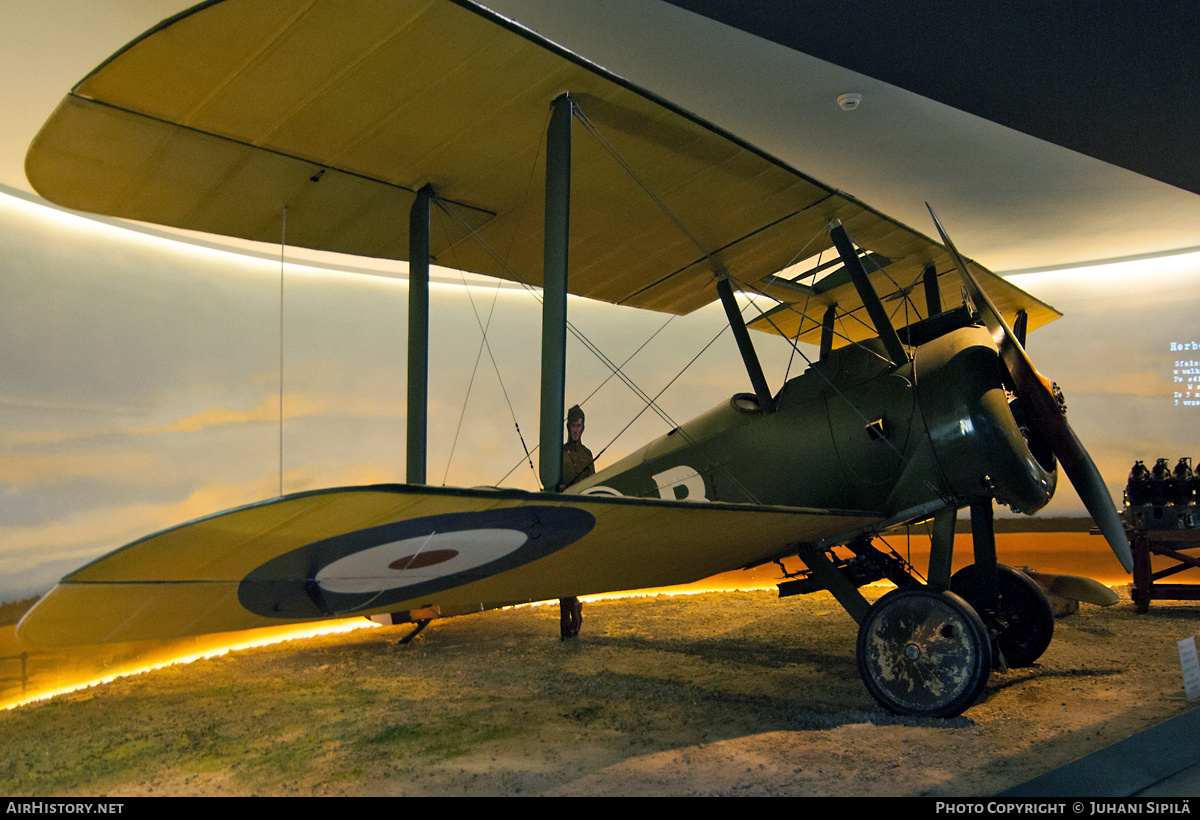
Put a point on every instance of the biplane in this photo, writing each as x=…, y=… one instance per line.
x=351, y=125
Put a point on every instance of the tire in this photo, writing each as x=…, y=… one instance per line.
x=924, y=653
x=1024, y=626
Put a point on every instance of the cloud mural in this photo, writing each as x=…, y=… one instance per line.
x=140, y=380
x=140, y=384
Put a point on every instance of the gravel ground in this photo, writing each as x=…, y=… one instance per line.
x=708, y=694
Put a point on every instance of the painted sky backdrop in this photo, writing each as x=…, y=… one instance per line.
x=141, y=383
x=140, y=375
x=140, y=380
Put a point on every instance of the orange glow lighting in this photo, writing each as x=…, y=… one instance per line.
x=240, y=640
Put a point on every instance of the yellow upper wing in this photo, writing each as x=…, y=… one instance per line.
x=341, y=109
x=363, y=550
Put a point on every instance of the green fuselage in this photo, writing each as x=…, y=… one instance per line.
x=854, y=432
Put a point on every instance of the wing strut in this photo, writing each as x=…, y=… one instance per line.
x=554, y=290
x=738, y=325
x=827, y=330
x=933, y=296
x=418, y=336
x=870, y=299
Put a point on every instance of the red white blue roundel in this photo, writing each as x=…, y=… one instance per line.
x=380, y=566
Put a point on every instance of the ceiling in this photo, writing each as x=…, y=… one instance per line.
x=1108, y=80
x=1042, y=139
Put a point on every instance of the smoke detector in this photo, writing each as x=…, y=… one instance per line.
x=849, y=101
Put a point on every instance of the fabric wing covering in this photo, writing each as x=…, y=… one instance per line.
x=331, y=553
x=341, y=110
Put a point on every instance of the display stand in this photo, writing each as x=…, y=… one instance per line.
x=1147, y=584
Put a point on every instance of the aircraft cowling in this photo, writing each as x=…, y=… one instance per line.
x=978, y=443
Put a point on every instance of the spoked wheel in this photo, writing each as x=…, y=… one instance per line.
x=924, y=653
x=1024, y=626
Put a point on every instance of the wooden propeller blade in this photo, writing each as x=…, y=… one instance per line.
x=1044, y=410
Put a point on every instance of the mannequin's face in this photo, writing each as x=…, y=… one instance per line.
x=575, y=431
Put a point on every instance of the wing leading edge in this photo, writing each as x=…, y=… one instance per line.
x=341, y=110
x=366, y=550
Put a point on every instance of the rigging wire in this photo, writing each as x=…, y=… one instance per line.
x=580, y=336
x=462, y=412
x=717, y=266
x=651, y=403
x=695, y=241
x=904, y=291
x=521, y=212
x=657, y=395
x=629, y=358
x=483, y=344
x=720, y=268
x=282, y=247
x=604, y=143
x=829, y=383
x=597, y=389
x=804, y=312
x=595, y=350
x=613, y=367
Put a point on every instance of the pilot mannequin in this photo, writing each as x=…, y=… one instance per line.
x=578, y=464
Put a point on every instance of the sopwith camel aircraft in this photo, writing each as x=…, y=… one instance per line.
x=350, y=126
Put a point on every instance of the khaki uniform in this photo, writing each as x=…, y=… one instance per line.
x=578, y=463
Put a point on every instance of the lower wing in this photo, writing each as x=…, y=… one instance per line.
x=390, y=548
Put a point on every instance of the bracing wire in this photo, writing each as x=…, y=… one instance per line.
x=717, y=266
x=462, y=412
x=629, y=358
x=803, y=312
x=848, y=403
x=658, y=395
x=617, y=370
x=282, y=247
x=595, y=390
x=491, y=312
x=579, y=336
x=484, y=344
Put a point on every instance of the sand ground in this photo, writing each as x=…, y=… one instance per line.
x=713, y=694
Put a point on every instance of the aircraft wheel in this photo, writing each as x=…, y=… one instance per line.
x=924, y=653
x=1024, y=626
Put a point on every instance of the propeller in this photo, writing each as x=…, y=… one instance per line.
x=1044, y=410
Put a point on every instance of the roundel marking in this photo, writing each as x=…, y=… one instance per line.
x=378, y=566
x=422, y=559
x=404, y=562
